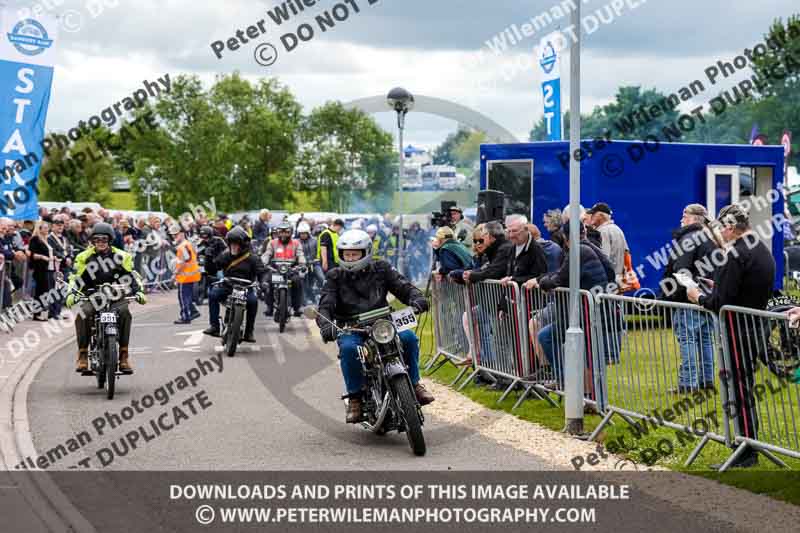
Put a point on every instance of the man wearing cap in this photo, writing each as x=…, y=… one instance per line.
x=613, y=241
x=694, y=243
x=744, y=278
x=461, y=226
x=187, y=273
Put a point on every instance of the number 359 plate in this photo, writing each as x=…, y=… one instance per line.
x=404, y=319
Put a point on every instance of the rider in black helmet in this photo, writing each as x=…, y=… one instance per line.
x=237, y=262
x=211, y=246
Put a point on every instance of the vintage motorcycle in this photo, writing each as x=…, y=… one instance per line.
x=281, y=285
x=104, y=334
x=389, y=401
x=233, y=321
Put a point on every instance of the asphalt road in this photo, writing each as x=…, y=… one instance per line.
x=276, y=405
x=273, y=407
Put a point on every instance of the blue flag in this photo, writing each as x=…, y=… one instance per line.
x=551, y=85
x=26, y=76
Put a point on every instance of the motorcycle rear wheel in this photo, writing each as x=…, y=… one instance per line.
x=408, y=405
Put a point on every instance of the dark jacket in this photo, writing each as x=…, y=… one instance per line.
x=251, y=268
x=498, y=255
x=212, y=249
x=61, y=252
x=596, y=270
x=745, y=279
x=78, y=242
x=553, y=254
x=531, y=262
x=694, y=247
x=594, y=236
x=260, y=231
x=346, y=294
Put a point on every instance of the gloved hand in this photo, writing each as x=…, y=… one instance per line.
x=141, y=299
x=72, y=299
x=328, y=333
x=420, y=305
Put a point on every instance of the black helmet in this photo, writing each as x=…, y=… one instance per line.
x=237, y=235
x=206, y=232
x=101, y=228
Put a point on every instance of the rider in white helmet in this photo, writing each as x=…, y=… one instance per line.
x=357, y=285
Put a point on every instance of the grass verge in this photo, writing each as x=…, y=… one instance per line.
x=661, y=446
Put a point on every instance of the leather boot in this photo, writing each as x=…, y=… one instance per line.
x=124, y=361
x=354, y=411
x=423, y=396
x=83, y=361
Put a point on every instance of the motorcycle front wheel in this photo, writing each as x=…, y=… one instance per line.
x=283, y=309
x=407, y=402
x=234, y=330
x=112, y=360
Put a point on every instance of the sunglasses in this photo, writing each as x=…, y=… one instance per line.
x=100, y=238
x=478, y=241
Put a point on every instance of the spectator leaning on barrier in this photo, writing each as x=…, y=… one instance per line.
x=527, y=260
x=744, y=279
x=694, y=244
x=498, y=252
x=552, y=222
x=451, y=255
x=552, y=251
x=595, y=271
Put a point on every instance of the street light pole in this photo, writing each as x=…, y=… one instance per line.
x=574, y=356
x=402, y=102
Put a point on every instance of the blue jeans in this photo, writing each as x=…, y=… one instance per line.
x=693, y=331
x=351, y=366
x=219, y=293
x=547, y=339
x=186, y=300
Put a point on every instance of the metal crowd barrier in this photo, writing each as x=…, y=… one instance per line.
x=450, y=330
x=494, y=319
x=761, y=352
x=546, y=318
x=663, y=362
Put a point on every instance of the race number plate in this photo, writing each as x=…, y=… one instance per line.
x=276, y=278
x=238, y=293
x=796, y=276
x=108, y=318
x=404, y=319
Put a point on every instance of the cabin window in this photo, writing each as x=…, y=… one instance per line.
x=515, y=180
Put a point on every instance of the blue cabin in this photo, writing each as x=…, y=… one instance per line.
x=647, y=186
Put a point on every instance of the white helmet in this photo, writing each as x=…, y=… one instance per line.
x=303, y=227
x=354, y=239
x=373, y=228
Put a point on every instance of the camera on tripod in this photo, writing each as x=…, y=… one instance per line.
x=440, y=219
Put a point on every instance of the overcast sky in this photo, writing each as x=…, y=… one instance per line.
x=430, y=47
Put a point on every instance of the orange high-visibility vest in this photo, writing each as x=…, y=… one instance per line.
x=186, y=270
x=285, y=252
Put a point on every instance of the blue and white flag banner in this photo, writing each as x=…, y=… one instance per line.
x=551, y=84
x=26, y=74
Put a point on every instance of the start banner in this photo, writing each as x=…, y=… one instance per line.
x=26, y=74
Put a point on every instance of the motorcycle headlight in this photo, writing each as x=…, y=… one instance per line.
x=383, y=332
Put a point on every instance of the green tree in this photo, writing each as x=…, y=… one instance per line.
x=346, y=154
x=443, y=154
x=468, y=151
x=618, y=117
x=62, y=177
x=235, y=142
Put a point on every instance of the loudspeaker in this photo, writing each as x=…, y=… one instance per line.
x=491, y=206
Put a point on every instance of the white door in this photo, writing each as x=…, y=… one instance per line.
x=722, y=187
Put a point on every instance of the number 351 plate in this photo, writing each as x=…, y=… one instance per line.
x=404, y=319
